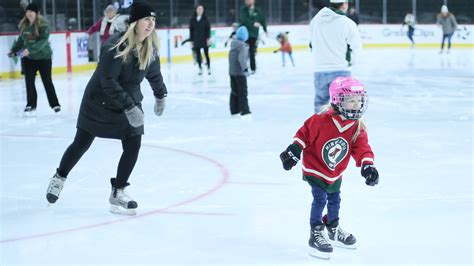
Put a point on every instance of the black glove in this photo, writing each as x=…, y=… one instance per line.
x=11, y=54
x=276, y=51
x=289, y=157
x=370, y=173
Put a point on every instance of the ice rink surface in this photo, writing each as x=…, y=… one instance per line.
x=211, y=189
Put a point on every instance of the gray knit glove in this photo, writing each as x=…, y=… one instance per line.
x=134, y=116
x=159, y=106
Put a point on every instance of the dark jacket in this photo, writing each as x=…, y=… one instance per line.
x=199, y=31
x=248, y=18
x=113, y=88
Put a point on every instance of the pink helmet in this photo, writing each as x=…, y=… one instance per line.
x=348, y=97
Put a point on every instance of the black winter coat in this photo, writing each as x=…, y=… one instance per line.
x=113, y=88
x=199, y=31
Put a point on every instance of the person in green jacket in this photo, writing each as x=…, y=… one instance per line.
x=252, y=18
x=36, y=52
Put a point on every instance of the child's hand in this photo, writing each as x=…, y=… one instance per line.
x=371, y=175
x=289, y=157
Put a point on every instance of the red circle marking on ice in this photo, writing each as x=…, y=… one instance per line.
x=224, y=179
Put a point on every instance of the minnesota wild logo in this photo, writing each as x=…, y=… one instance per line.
x=334, y=151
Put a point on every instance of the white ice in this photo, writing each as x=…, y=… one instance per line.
x=211, y=189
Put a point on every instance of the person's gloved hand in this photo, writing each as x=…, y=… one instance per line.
x=135, y=116
x=370, y=173
x=159, y=106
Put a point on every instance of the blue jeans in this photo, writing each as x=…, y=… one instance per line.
x=320, y=197
x=446, y=36
x=322, y=80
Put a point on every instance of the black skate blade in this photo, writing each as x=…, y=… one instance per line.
x=122, y=211
x=319, y=255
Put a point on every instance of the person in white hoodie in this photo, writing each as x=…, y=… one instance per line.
x=335, y=40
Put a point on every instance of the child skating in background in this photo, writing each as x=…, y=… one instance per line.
x=285, y=47
x=328, y=140
x=238, y=71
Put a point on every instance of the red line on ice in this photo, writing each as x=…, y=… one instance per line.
x=225, y=176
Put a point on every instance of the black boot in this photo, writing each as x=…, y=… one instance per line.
x=320, y=247
x=340, y=237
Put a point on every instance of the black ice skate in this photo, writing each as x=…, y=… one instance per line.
x=56, y=184
x=339, y=237
x=320, y=247
x=121, y=202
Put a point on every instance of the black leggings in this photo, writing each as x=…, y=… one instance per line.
x=82, y=142
x=197, y=51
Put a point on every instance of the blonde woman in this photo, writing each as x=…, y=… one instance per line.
x=111, y=105
x=36, y=53
x=328, y=140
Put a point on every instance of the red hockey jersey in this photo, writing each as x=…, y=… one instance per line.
x=326, y=142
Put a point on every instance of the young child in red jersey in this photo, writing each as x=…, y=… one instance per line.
x=328, y=140
x=285, y=47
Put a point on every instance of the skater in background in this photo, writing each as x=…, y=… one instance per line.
x=200, y=35
x=327, y=141
x=285, y=47
x=252, y=18
x=37, y=56
x=232, y=34
x=105, y=25
x=238, y=71
x=335, y=40
x=352, y=14
x=447, y=21
x=410, y=22
x=111, y=106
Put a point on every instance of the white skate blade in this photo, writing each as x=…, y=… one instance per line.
x=122, y=211
x=318, y=254
x=341, y=245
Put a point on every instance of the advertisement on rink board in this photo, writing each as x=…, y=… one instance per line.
x=172, y=48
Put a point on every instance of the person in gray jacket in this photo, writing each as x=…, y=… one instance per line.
x=448, y=23
x=238, y=71
x=111, y=105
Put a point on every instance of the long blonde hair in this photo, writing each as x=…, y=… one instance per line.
x=360, y=122
x=24, y=23
x=145, y=52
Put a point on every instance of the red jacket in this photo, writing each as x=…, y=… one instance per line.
x=105, y=34
x=326, y=142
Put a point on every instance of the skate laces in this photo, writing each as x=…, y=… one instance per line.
x=122, y=195
x=341, y=234
x=319, y=237
x=56, y=184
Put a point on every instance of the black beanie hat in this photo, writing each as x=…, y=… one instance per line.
x=140, y=10
x=33, y=7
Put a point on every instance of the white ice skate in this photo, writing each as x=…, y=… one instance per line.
x=56, y=184
x=121, y=202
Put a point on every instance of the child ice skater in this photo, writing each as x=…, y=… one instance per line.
x=285, y=47
x=328, y=140
x=238, y=71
